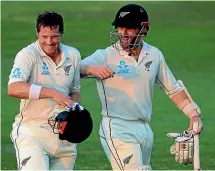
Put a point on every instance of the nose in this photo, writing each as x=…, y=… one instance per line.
x=49, y=41
x=124, y=33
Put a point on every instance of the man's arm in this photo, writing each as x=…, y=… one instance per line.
x=20, y=73
x=178, y=93
x=76, y=84
x=87, y=70
x=186, y=104
x=76, y=97
x=19, y=88
x=95, y=65
x=182, y=100
x=23, y=90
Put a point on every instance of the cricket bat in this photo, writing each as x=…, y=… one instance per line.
x=196, y=156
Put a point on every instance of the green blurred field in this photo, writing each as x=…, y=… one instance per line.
x=184, y=31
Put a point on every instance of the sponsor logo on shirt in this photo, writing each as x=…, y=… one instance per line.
x=45, y=69
x=122, y=67
x=16, y=73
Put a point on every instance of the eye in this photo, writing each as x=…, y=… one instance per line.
x=55, y=37
x=131, y=30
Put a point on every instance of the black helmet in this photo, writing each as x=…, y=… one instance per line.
x=74, y=125
x=131, y=16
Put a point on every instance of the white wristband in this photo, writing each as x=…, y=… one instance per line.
x=34, y=93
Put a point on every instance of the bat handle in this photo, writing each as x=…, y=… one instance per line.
x=196, y=158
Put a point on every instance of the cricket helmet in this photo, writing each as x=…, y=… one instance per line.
x=74, y=125
x=130, y=16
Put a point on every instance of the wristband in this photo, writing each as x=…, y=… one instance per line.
x=34, y=93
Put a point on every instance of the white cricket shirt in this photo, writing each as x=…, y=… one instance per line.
x=129, y=93
x=32, y=65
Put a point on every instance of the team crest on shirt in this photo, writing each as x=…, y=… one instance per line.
x=45, y=69
x=67, y=69
x=122, y=67
x=148, y=65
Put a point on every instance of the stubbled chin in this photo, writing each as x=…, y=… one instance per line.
x=124, y=46
x=49, y=51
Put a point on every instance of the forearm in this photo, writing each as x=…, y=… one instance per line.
x=76, y=97
x=179, y=97
x=21, y=90
x=185, y=103
x=85, y=70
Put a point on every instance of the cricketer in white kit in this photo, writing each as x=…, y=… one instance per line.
x=46, y=77
x=127, y=72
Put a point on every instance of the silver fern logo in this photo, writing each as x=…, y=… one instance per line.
x=67, y=69
x=127, y=159
x=148, y=65
x=123, y=14
x=24, y=161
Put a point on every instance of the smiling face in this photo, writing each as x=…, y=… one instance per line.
x=49, y=39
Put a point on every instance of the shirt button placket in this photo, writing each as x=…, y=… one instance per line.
x=56, y=71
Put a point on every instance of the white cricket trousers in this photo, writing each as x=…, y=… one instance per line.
x=38, y=148
x=127, y=144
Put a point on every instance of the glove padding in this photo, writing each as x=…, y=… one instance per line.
x=182, y=147
x=75, y=124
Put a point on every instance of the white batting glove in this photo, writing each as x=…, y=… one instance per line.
x=182, y=147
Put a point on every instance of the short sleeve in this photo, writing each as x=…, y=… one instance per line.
x=76, y=79
x=97, y=58
x=165, y=78
x=22, y=67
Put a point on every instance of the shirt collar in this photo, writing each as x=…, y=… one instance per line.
x=146, y=48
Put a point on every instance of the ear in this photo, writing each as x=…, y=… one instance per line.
x=145, y=30
x=61, y=36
